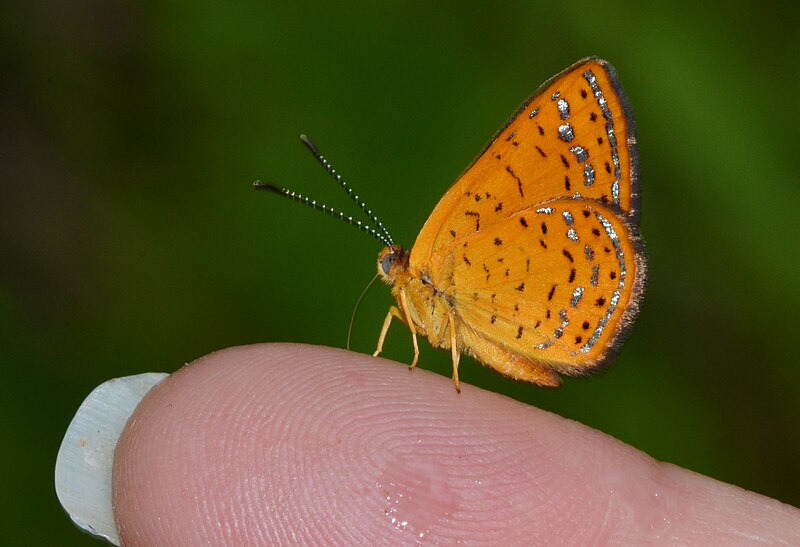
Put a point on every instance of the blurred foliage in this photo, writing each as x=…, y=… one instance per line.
x=131, y=241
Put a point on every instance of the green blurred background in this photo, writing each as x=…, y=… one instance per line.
x=131, y=241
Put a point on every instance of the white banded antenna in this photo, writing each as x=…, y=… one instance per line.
x=378, y=231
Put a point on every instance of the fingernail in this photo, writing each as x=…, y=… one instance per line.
x=86, y=456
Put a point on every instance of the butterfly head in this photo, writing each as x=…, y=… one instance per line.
x=391, y=261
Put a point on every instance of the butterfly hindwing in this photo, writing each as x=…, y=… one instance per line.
x=558, y=283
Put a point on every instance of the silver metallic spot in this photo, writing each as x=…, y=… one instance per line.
x=568, y=218
x=544, y=345
x=572, y=235
x=545, y=210
x=577, y=294
x=612, y=138
x=588, y=174
x=589, y=253
x=602, y=323
x=564, y=322
x=603, y=105
x=581, y=154
x=563, y=109
x=616, y=295
x=565, y=133
x=598, y=331
x=533, y=114
x=555, y=96
x=617, y=247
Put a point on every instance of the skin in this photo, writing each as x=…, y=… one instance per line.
x=289, y=444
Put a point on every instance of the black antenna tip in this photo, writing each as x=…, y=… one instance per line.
x=311, y=146
x=258, y=185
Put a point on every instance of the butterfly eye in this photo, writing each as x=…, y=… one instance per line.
x=387, y=262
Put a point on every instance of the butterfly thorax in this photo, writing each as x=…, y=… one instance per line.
x=415, y=293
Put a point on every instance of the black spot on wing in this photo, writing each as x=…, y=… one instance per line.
x=519, y=180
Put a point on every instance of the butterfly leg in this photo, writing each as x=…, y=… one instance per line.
x=410, y=322
x=454, y=349
x=404, y=316
x=393, y=312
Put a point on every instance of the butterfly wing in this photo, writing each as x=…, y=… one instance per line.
x=558, y=284
x=574, y=137
x=536, y=245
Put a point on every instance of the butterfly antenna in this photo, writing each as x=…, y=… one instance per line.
x=338, y=178
x=258, y=185
x=358, y=303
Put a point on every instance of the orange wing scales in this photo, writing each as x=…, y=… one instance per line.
x=551, y=288
x=533, y=256
x=567, y=146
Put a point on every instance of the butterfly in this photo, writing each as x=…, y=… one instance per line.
x=532, y=262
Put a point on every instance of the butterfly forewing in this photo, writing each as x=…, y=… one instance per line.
x=575, y=137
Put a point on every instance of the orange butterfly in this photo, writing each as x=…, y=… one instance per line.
x=531, y=262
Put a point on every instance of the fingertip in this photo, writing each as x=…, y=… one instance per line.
x=273, y=437
x=298, y=444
